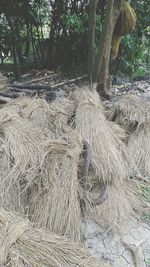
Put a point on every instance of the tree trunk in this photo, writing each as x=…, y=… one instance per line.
x=27, y=44
x=105, y=38
x=15, y=57
x=16, y=68
x=33, y=46
x=91, y=38
x=101, y=70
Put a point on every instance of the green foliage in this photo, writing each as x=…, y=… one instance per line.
x=73, y=22
x=134, y=57
x=148, y=262
x=144, y=191
x=134, y=54
x=54, y=33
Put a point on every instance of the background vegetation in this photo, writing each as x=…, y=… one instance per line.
x=52, y=34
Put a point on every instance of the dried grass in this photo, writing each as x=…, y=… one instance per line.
x=93, y=127
x=50, y=117
x=130, y=112
x=139, y=148
x=58, y=206
x=117, y=212
x=110, y=161
x=121, y=138
x=21, y=245
x=42, y=157
x=42, y=177
x=22, y=146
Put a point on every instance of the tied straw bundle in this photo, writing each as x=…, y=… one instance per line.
x=22, y=245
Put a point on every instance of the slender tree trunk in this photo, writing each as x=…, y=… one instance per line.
x=91, y=37
x=2, y=61
x=15, y=57
x=33, y=46
x=106, y=36
x=27, y=45
x=40, y=47
x=16, y=68
x=101, y=69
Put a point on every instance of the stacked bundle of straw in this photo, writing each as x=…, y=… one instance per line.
x=21, y=245
x=93, y=127
x=42, y=156
x=58, y=208
x=43, y=163
x=130, y=112
x=22, y=146
x=52, y=118
x=109, y=162
x=139, y=148
x=133, y=113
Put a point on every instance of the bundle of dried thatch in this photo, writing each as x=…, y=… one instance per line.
x=93, y=127
x=42, y=176
x=22, y=150
x=21, y=245
x=139, y=148
x=57, y=206
x=63, y=110
x=117, y=212
x=43, y=162
x=121, y=138
x=51, y=117
x=110, y=162
x=130, y=112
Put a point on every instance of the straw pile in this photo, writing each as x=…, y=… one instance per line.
x=21, y=147
x=139, y=148
x=130, y=112
x=133, y=113
x=58, y=206
x=53, y=117
x=110, y=164
x=116, y=213
x=93, y=127
x=42, y=156
x=41, y=147
x=21, y=245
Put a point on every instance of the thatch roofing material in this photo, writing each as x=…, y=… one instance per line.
x=133, y=114
x=43, y=160
x=130, y=112
x=93, y=127
x=21, y=245
x=59, y=207
x=110, y=161
x=139, y=148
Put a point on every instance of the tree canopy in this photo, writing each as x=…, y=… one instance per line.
x=54, y=34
